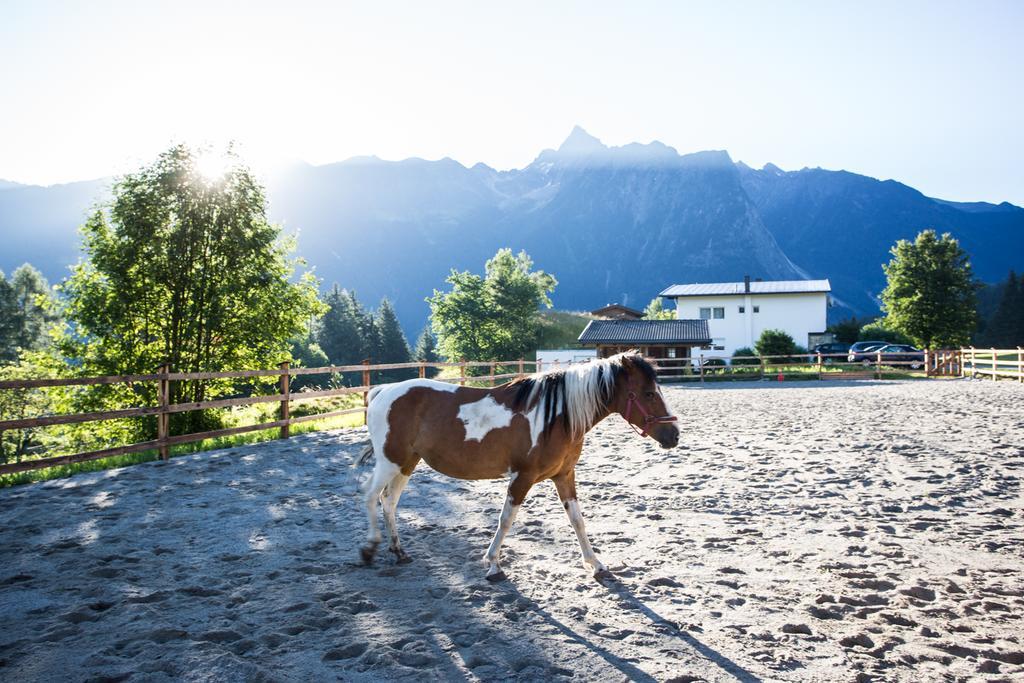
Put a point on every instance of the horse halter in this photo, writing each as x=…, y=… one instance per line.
x=649, y=420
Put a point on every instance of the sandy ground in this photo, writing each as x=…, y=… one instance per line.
x=805, y=531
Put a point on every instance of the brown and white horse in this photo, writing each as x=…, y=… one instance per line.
x=529, y=430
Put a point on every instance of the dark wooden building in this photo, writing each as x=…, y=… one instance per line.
x=653, y=338
x=617, y=312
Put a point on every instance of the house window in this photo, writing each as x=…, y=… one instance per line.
x=671, y=352
x=743, y=309
x=718, y=344
x=757, y=309
x=719, y=313
x=705, y=314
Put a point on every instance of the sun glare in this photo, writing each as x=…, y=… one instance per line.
x=213, y=166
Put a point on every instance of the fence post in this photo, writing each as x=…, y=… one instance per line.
x=462, y=372
x=286, y=401
x=763, y=369
x=702, y=368
x=819, y=365
x=163, y=418
x=521, y=367
x=494, y=380
x=994, y=375
x=366, y=383
x=878, y=365
x=423, y=369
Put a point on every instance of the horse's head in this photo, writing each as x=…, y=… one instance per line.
x=638, y=398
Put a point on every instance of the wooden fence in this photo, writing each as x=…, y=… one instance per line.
x=994, y=363
x=285, y=398
x=943, y=363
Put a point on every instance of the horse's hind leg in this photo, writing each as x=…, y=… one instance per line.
x=392, y=493
x=383, y=472
x=517, y=490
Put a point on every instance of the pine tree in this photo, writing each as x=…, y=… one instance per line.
x=1006, y=327
x=426, y=350
x=26, y=312
x=394, y=348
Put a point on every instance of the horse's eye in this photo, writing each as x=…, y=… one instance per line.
x=649, y=394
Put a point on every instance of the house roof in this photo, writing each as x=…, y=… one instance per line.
x=612, y=309
x=756, y=287
x=646, y=332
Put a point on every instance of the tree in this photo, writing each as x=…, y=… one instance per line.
x=306, y=353
x=1005, y=329
x=27, y=312
x=848, y=331
x=494, y=317
x=393, y=346
x=931, y=294
x=656, y=310
x=775, y=343
x=9, y=323
x=186, y=270
x=426, y=350
x=745, y=356
x=882, y=330
x=339, y=333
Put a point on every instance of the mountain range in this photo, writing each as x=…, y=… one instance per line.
x=613, y=224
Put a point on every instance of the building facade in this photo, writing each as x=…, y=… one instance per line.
x=737, y=312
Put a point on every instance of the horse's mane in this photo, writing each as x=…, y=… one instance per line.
x=575, y=394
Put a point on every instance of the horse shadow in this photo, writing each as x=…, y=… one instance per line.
x=658, y=623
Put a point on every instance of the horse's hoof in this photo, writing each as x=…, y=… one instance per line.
x=367, y=552
x=403, y=559
x=496, y=576
x=603, y=575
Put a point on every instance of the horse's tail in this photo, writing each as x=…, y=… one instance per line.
x=366, y=454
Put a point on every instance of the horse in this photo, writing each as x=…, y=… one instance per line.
x=528, y=430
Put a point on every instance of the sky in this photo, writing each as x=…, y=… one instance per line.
x=928, y=93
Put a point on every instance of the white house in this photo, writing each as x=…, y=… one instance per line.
x=737, y=312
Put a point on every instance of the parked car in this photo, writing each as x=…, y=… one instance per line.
x=901, y=354
x=859, y=351
x=831, y=351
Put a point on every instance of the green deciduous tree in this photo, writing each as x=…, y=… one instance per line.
x=656, y=310
x=931, y=294
x=494, y=317
x=186, y=269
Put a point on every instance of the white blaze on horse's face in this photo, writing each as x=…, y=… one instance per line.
x=480, y=417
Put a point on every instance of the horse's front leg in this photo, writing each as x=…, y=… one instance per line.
x=566, y=485
x=517, y=491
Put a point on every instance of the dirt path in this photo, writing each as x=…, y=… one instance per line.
x=805, y=532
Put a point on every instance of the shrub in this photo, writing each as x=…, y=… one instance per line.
x=745, y=356
x=775, y=343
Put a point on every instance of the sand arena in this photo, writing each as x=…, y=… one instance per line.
x=803, y=531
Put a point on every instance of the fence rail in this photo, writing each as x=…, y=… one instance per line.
x=285, y=398
x=994, y=363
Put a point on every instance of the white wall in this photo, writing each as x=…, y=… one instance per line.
x=796, y=314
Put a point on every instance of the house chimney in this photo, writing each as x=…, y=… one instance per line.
x=746, y=284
